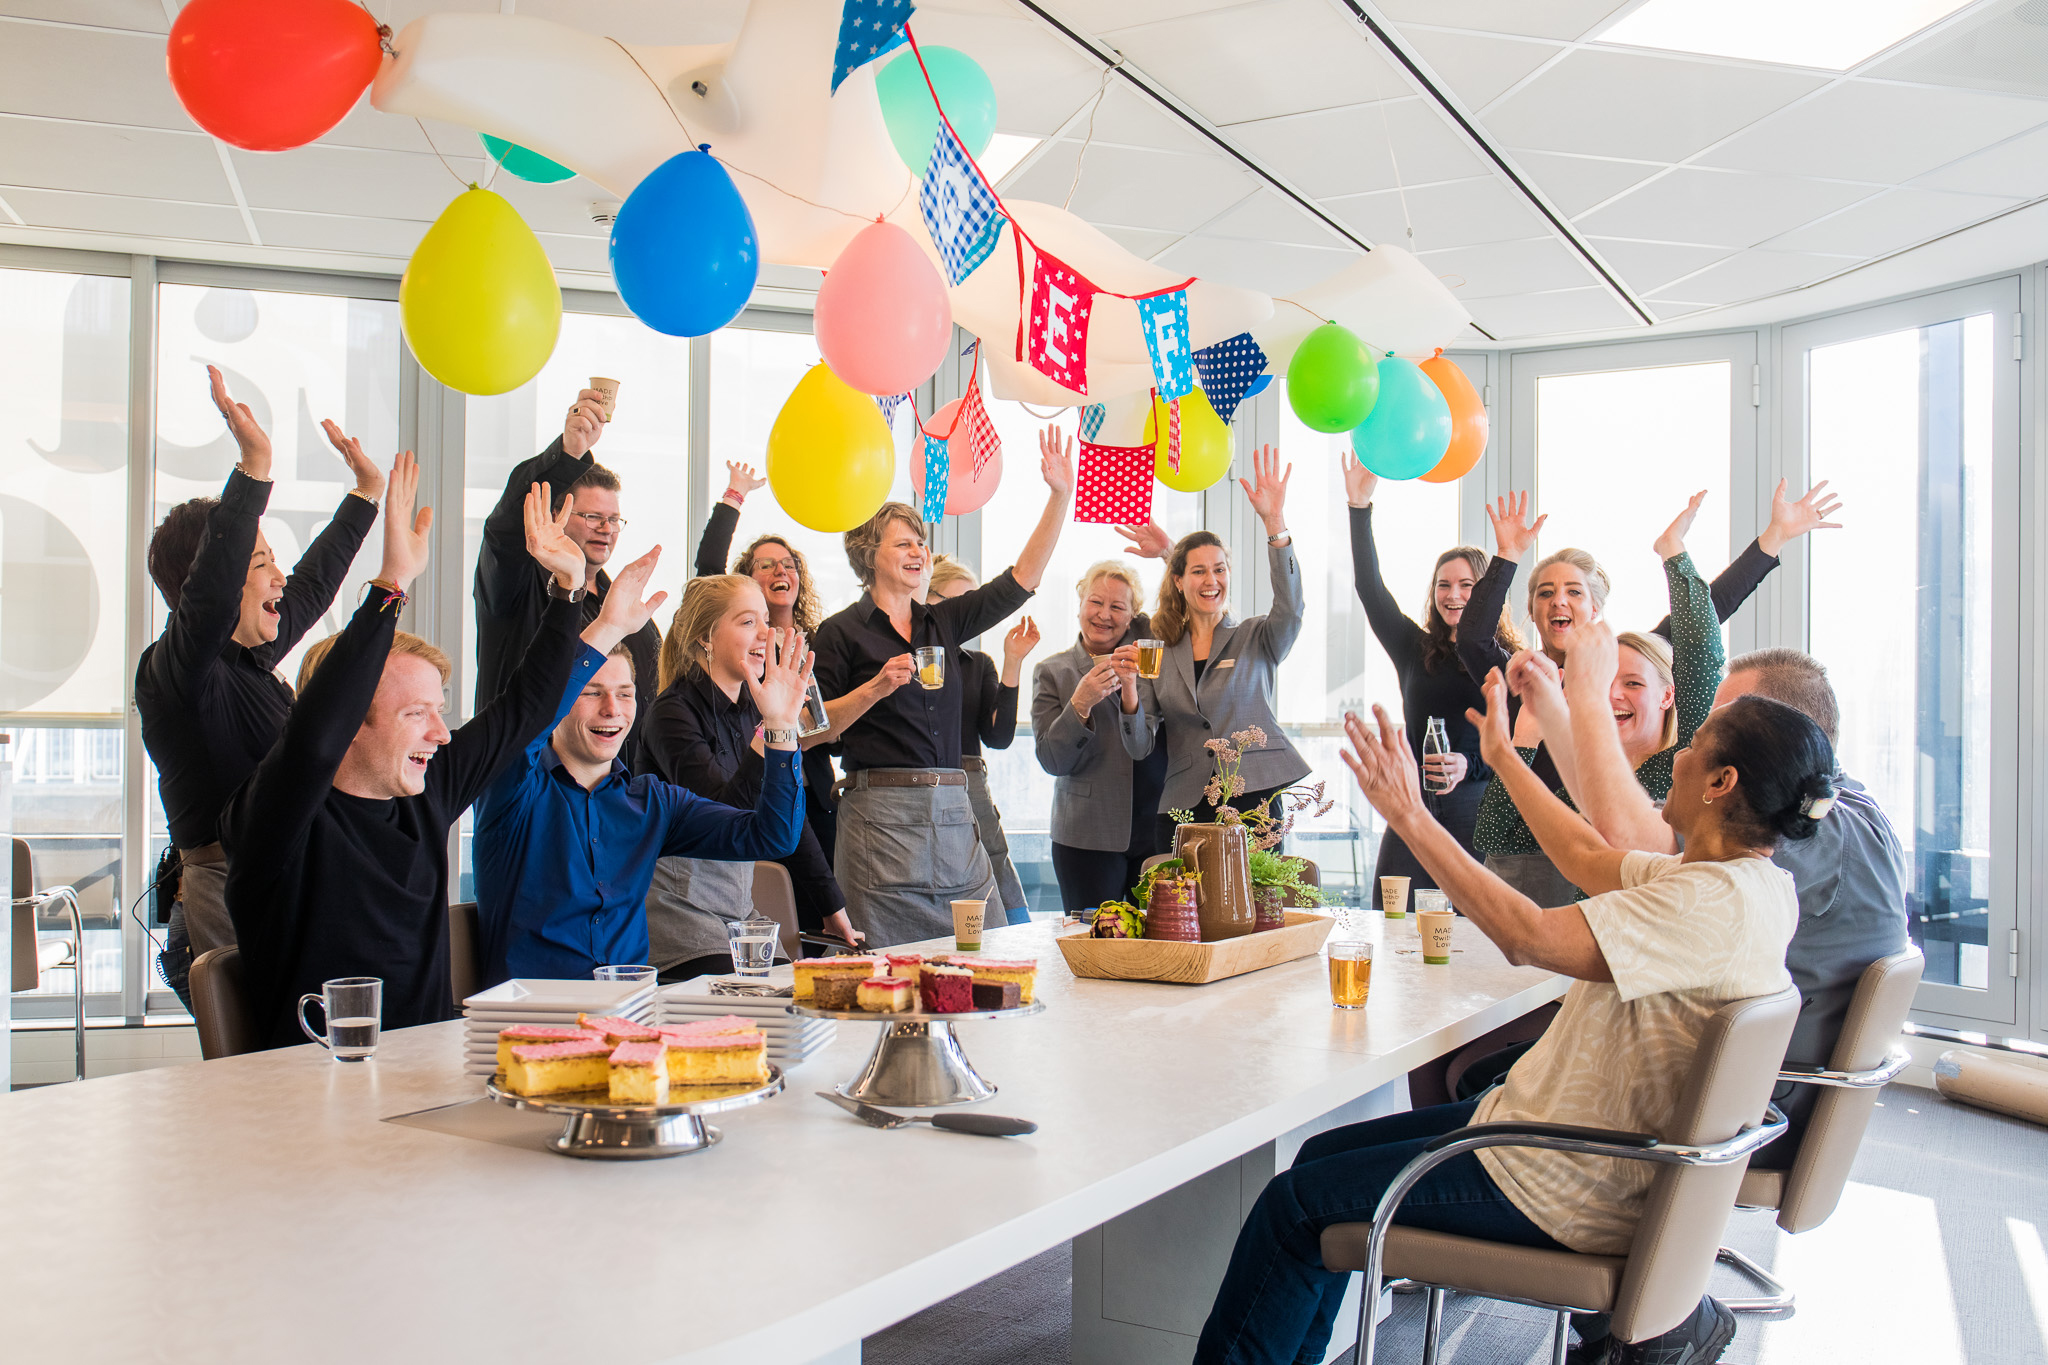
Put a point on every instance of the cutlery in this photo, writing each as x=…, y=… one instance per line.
x=982, y=1125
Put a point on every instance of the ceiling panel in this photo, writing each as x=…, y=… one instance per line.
x=1720, y=208
x=1665, y=312
x=1274, y=267
x=1484, y=272
x=1105, y=16
x=561, y=207
x=658, y=22
x=146, y=16
x=1477, y=68
x=1647, y=266
x=391, y=237
x=1568, y=310
x=2002, y=46
x=1630, y=104
x=1461, y=213
x=368, y=126
x=1753, y=274
x=41, y=66
x=587, y=254
x=1267, y=217
x=1261, y=60
x=1040, y=79
x=1141, y=242
x=1574, y=184
x=1864, y=130
x=333, y=180
x=1136, y=120
x=1551, y=19
x=142, y=162
x=2016, y=166
x=1895, y=219
x=1137, y=188
x=133, y=217
x=1355, y=150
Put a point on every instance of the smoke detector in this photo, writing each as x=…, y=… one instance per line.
x=604, y=212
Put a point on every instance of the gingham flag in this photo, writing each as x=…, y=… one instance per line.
x=1061, y=299
x=867, y=29
x=1113, y=486
x=1091, y=421
x=1228, y=368
x=959, y=212
x=937, y=468
x=981, y=432
x=1164, y=318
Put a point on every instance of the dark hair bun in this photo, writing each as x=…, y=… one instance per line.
x=1784, y=766
x=1802, y=818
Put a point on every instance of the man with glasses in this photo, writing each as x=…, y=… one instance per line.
x=511, y=589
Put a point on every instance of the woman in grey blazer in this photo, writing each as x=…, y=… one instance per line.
x=1219, y=675
x=1104, y=803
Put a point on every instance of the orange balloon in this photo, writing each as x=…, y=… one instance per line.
x=1468, y=420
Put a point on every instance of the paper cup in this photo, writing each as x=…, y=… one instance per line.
x=967, y=925
x=1394, y=897
x=610, y=389
x=1435, y=928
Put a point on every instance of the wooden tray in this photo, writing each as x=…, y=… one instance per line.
x=1194, y=964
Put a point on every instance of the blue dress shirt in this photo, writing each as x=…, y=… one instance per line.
x=562, y=873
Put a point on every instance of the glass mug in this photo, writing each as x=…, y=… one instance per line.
x=1151, y=654
x=931, y=667
x=354, y=1006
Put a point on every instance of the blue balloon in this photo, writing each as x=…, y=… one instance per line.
x=1258, y=385
x=1409, y=428
x=684, y=252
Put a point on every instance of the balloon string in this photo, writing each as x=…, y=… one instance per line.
x=1045, y=416
x=466, y=184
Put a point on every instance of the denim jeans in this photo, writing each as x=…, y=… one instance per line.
x=1278, y=1304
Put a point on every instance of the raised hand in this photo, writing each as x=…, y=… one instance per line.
x=1512, y=532
x=1056, y=460
x=1359, y=482
x=1098, y=682
x=547, y=538
x=1672, y=542
x=623, y=610
x=1531, y=671
x=1021, y=639
x=784, y=682
x=1383, y=764
x=369, y=478
x=740, y=479
x=405, y=531
x=1596, y=657
x=250, y=439
x=1496, y=745
x=1269, y=494
x=1791, y=520
x=584, y=424
x=1148, y=541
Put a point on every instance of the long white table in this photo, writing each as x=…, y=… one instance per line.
x=258, y=1208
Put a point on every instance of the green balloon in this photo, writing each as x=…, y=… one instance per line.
x=964, y=92
x=1410, y=427
x=526, y=165
x=1333, y=381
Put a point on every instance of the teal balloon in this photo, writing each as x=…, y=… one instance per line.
x=1332, y=381
x=1409, y=428
x=964, y=91
x=526, y=165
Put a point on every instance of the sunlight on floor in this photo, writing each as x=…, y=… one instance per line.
x=2033, y=1261
x=1879, y=1243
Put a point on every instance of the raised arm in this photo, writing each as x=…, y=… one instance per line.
x=1056, y=467
x=318, y=575
x=1586, y=859
x=503, y=568
x=714, y=551
x=1269, y=499
x=1537, y=683
x=1479, y=648
x=1605, y=787
x=1398, y=635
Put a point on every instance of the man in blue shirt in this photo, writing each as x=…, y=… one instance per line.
x=566, y=840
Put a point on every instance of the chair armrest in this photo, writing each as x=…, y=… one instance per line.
x=1895, y=1061
x=1548, y=1130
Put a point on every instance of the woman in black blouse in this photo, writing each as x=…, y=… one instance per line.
x=1433, y=682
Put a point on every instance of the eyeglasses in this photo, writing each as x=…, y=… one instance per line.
x=776, y=564
x=598, y=521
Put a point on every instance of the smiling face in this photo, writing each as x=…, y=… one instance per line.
x=1106, y=611
x=591, y=734
x=1639, y=698
x=389, y=755
x=1559, y=603
x=901, y=560
x=737, y=647
x=598, y=542
x=261, y=591
x=1206, y=584
x=774, y=567
x=1452, y=590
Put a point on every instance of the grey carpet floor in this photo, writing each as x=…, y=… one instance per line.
x=1935, y=1257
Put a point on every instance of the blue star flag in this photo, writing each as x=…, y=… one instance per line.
x=867, y=29
x=1165, y=320
x=938, y=468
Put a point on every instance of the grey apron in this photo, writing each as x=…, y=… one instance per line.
x=689, y=903
x=905, y=854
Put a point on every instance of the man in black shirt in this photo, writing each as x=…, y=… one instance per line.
x=338, y=845
x=511, y=590
x=207, y=689
x=907, y=846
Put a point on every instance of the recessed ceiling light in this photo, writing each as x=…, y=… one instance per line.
x=1005, y=150
x=1832, y=35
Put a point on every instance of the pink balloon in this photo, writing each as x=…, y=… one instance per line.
x=964, y=492
x=882, y=318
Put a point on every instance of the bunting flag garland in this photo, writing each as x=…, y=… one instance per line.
x=1061, y=300
x=959, y=211
x=867, y=29
x=1113, y=486
x=1229, y=368
x=937, y=469
x=888, y=403
x=1164, y=319
x=1091, y=420
x=981, y=432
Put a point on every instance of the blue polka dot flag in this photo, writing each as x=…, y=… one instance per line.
x=938, y=468
x=867, y=29
x=1228, y=369
x=959, y=210
x=1164, y=318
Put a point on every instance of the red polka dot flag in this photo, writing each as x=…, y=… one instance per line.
x=1113, y=486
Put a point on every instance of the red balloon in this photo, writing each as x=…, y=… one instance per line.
x=271, y=74
x=964, y=492
x=1468, y=420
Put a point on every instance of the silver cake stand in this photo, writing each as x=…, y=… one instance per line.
x=599, y=1129
x=917, y=1062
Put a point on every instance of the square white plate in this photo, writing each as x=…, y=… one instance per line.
x=531, y=993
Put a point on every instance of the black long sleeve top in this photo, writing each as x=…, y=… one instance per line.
x=714, y=547
x=322, y=884
x=1444, y=691
x=698, y=738
x=511, y=590
x=212, y=708
x=988, y=710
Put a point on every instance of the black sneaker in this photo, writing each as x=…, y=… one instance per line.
x=1699, y=1340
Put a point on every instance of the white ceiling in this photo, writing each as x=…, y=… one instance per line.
x=1711, y=190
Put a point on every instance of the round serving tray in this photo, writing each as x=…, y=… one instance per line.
x=917, y=1062
x=915, y=1016
x=597, y=1128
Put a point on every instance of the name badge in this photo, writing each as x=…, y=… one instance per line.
x=1226, y=663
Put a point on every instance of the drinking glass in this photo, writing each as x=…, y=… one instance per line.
x=1151, y=654
x=812, y=718
x=931, y=667
x=753, y=945
x=634, y=972
x=1350, y=973
x=354, y=1006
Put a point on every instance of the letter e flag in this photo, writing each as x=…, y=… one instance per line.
x=1061, y=300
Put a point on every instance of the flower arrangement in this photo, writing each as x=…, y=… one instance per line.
x=1173, y=869
x=1226, y=784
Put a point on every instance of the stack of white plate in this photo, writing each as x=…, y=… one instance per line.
x=531, y=1000
x=790, y=1039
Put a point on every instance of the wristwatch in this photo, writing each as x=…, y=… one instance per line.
x=771, y=735
x=557, y=591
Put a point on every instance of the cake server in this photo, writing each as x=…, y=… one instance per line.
x=981, y=1125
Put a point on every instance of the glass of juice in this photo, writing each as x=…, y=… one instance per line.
x=1151, y=654
x=1350, y=973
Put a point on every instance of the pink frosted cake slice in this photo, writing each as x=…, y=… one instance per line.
x=639, y=1073
x=558, y=1068
x=532, y=1035
x=725, y=1023
x=717, y=1058
x=618, y=1030
x=885, y=994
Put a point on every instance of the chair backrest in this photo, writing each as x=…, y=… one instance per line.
x=1728, y=1087
x=775, y=898
x=1877, y=1012
x=465, y=952
x=220, y=1004
x=27, y=968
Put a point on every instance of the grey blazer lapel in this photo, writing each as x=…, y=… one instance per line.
x=1219, y=649
x=1184, y=666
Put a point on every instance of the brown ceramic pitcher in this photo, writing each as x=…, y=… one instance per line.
x=1220, y=854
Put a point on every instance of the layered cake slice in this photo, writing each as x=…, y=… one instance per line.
x=618, y=1030
x=717, y=1058
x=946, y=990
x=884, y=994
x=810, y=969
x=639, y=1073
x=1023, y=971
x=836, y=992
x=558, y=1068
x=903, y=964
x=534, y=1035
x=725, y=1023
x=997, y=995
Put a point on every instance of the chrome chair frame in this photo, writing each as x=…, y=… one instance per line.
x=1556, y=1137
x=1776, y=1297
x=74, y=960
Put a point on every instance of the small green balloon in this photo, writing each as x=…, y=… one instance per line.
x=1410, y=426
x=526, y=165
x=1332, y=381
x=964, y=91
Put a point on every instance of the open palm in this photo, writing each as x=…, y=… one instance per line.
x=547, y=536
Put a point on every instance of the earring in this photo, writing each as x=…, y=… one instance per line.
x=1708, y=799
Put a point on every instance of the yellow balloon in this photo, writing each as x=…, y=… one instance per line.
x=1204, y=444
x=479, y=301
x=831, y=458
